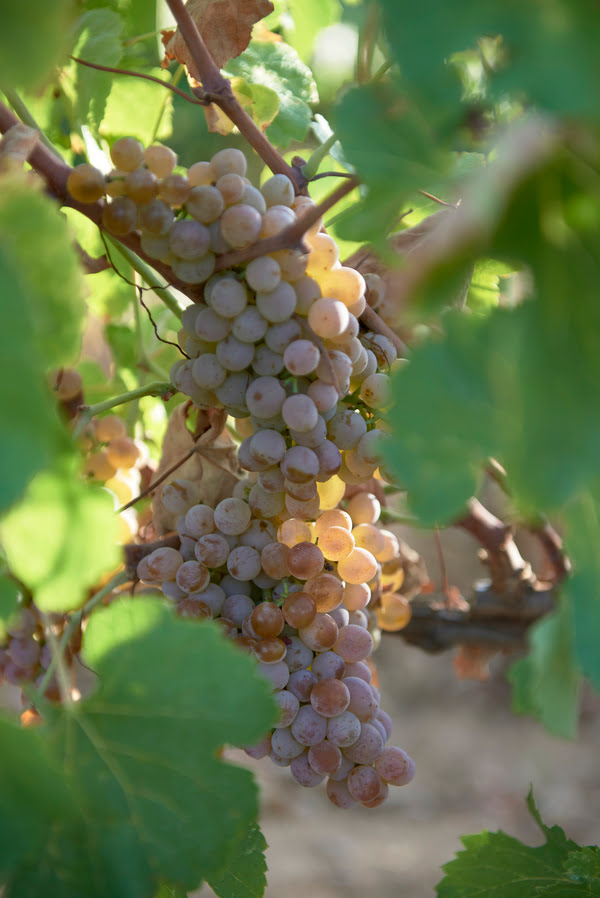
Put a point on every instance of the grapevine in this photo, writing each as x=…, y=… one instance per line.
x=225, y=383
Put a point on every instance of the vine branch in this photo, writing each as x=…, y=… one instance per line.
x=291, y=236
x=108, y=68
x=218, y=88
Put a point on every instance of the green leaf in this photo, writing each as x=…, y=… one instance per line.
x=443, y=418
x=309, y=17
x=50, y=276
x=583, y=866
x=277, y=66
x=547, y=682
x=244, y=876
x=32, y=794
x=167, y=891
x=496, y=865
x=484, y=289
x=261, y=102
x=141, y=754
x=392, y=146
x=9, y=600
x=61, y=538
x=132, y=108
x=582, y=589
x=33, y=38
x=42, y=312
x=99, y=33
x=549, y=50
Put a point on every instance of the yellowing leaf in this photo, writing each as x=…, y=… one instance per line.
x=225, y=25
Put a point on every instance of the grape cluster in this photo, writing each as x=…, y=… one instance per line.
x=286, y=565
x=116, y=460
x=25, y=653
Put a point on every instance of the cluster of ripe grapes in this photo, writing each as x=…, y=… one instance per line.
x=112, y=457
x=288, y=563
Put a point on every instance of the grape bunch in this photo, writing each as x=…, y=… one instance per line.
x=286, y=564
x=25, y=653
x=116, y=460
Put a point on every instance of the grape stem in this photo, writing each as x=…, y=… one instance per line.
x=58, y=650
x=163, y=389
x=176, y=90
x=218, y=88
x=291, y=236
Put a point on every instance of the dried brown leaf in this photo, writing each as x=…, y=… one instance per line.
x=225, y=26
x=213, y=466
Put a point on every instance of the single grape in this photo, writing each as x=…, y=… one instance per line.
x=208, y=372
x=205, y=203
x=127, y=153
x=174, y=189
x=305, y=560
x=395, y=766
x=325, y=757
x=362, y=701
x=163, y=564
x=326, y=590
x=303, y=773
x=141, y=185
x=160, y=160
x=277, y=305
x=188, y=239
x=201, y=173
x=270, y=650
x=288, y=708
x=267, y=619
x=122, y=452
x=338, y=794
x=265, y=397
x=328, y=665
x=321, y=635
x=119, y=217
x=156, y=217
x=232, y=516
x=263, y=274
x=240, y=225
x=309, y=727
x=86, y=184
x=68, y=384
x=236, y=608
x=244, y=563
x=300, y=683
x=354, y=643
x=229, y=161
x=194, y=271
x=299, y=610
x=273, y=559
x=368, y=747
x=277, y=674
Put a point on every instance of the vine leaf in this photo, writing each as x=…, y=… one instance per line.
x=225, y=26
x=154, y=801
x=61, y=538
x=244, y=876
x=32, y=794
x=498, y=866
x=99, y=33
x=42, y=311
x=276, y=65
x=32, y=39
